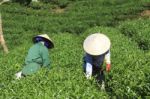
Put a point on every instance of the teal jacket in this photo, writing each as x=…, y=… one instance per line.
x=37, y=57
x=38, y=53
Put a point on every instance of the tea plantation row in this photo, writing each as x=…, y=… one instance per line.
x=130, y=73
x=129, y=76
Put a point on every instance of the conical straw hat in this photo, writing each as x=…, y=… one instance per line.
x=96, y=44
x=46, y=38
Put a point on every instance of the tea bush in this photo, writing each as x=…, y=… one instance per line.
x=60, y=3
x=64, y=79
x=23, y=2
x=137, y=30
x=129, y=77
x=75, y=18
x=130, y=66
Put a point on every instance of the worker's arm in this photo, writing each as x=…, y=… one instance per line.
x=88, y=70
x=88, y=65
x=45, y=57
x=108, y=62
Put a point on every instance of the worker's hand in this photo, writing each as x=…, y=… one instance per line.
x=87, y=75
x=108, y=66
x=18, y=75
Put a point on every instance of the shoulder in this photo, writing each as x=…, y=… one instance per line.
x=43, y=48
x=34, y=46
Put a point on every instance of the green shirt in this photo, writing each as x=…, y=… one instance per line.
x=38, y=53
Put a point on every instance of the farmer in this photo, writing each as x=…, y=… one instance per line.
x=97, y=48
x=38, y=56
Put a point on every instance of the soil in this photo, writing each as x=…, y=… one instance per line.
x=58, y=10
x=145, y=13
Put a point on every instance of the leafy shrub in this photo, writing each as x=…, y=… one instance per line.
x=23, y=2
x=137, y=30
x=36, y=5
x=76, y=17
x=130, y=73
x=60, y=3
x=129, y=76
x=130, y=66
x=49, y=1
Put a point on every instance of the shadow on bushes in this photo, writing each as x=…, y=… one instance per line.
x=23, y=2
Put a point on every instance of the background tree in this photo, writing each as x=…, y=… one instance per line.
x=2, y=40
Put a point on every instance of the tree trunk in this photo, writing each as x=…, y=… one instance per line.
x=2, y=41
x=34, y=0
x=3, y=1
x=6, y=0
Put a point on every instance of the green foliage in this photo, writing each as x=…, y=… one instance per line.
x=60, y=3
x=64, y=79
x=130, y=74
x=130, y=67
x=75, y=18
x=137, y=30
x=37, y=6
x=23, y=2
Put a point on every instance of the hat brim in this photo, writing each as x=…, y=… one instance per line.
x=96, y=44
x=51, y=44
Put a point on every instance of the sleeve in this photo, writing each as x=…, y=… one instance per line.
x=45, y=57
x=88, y=69
x=88, y=64
x=107, y=58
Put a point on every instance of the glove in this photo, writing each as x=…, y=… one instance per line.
x=88, y=76
x=103, y=86
x=108, y=66
x=18, y=75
